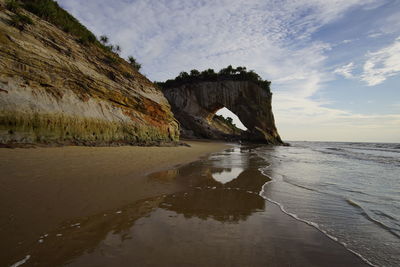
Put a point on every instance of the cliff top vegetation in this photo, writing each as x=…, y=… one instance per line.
x=228, y=122
x=209, y=75
x=50, y=11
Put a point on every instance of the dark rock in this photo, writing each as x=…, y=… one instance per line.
x=195, y=104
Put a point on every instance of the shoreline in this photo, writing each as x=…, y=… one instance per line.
x=74, y=217
x=209, y=223
x=309, y=223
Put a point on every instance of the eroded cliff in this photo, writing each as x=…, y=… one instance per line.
x=194, y=105
x=54, y=89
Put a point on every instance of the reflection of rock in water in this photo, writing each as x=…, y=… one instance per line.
x=229, y=201
x=200, y=196
x=220, y=204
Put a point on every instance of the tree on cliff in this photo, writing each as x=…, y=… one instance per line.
x=209, y=74
x=229, y=73
x=194, y=73
x=117, y=49
x=183, y=75
x=104, y=39
x=132, y=61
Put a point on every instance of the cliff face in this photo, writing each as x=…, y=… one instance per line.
x=194, y=105
x=55, y=90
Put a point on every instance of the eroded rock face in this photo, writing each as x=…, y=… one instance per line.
x=55, y=90
x=195, y=104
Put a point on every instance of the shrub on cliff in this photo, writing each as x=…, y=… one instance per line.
x=228, y=121
x=12, y=5
x=228, y=73
x=209, y=74
x=132, y=61
x=117, y=49
x=20, y=21
x=50, y=10
x=104, y=39
x=194, y=73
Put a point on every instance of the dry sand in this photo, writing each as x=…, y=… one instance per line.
x=43, y=187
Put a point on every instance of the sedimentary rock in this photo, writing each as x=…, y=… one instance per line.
x=55, y=90
x=195, y=104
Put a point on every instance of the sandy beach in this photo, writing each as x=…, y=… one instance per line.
x=148, y=206
x=43, y=187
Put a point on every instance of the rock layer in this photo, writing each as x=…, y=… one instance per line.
x=55, y=90
x=195, y=104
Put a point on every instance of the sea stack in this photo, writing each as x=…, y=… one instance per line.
x=195, y=104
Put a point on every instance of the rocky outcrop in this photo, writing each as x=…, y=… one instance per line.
x=55, y=90
x=194, y=105
x=225, y=126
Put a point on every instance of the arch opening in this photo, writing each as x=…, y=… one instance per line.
x=226, y=113
x=226, y=123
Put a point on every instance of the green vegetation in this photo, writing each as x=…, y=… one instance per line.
x=132, y=61
x=110, y=59
x=12, y=5
x=47, y=128
x=20, y=21
x=228, y=122
x=104, y=40
x=50, y=10
x=209, y=75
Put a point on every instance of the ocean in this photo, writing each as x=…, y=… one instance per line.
x=348, y=191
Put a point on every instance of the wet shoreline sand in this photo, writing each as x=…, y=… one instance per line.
x=206, y=213
x=45, y=186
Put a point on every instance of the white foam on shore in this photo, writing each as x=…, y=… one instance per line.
x=23, y=261
x=296, y=217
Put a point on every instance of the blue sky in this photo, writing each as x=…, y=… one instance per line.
x=334, y=64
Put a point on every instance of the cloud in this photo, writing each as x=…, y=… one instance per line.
x=346, y=70
x=170, y=36
x=275, y=38
x=382, y=64
x=347, y=41
x=375, y=34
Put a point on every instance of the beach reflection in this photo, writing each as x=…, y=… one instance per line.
x=204, y=222
x=223, y=188
x=227, y=175
x=203, y=201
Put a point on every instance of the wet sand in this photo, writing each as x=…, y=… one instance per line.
x=206, y=213
x=41, y=188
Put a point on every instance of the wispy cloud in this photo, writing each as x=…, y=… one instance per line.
x=382, y=64
x=169, y=36
x=346, y=70
x=273, y=37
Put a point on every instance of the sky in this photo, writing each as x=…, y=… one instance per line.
x=334, y=64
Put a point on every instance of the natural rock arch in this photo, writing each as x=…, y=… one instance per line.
x=194, y=105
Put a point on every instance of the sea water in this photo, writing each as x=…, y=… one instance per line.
x=349, y=191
